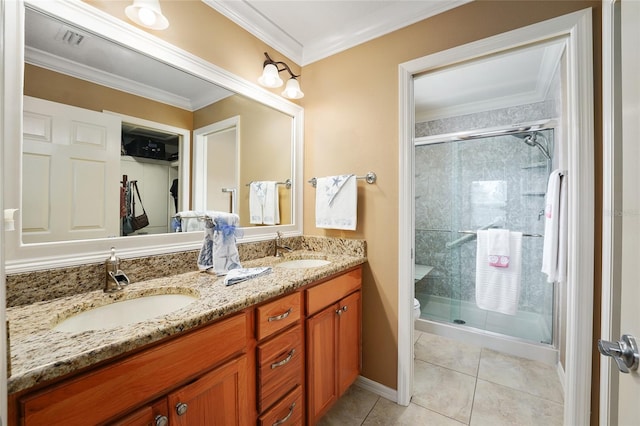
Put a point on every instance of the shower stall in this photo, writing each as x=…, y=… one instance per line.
x=470, y=182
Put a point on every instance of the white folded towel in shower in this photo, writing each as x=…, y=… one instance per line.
x=554, y=258
x=337, y=202
x=498, y=289
x=264, y=203
x=498, y=247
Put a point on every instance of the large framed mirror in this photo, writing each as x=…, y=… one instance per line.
x=152, y=129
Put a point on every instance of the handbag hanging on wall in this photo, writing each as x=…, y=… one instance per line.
x=137, y=222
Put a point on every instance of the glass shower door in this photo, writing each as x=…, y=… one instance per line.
x=464, y=186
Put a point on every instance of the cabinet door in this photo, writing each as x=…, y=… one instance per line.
x=321, y=362
x=349, y=341
x=149, y=415
x=219, y=397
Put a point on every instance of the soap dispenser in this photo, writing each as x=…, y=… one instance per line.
x=115, y=278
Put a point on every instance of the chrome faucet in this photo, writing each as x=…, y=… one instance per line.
x=114, y=278
x=278, y=246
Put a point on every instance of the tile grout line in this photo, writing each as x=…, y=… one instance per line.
x=370, y=411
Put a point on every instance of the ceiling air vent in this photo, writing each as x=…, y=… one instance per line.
x=70, y=37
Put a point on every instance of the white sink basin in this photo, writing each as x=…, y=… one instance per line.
x=125, y=312
x=303, y=263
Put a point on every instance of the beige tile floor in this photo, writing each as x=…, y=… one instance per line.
x=460, y=384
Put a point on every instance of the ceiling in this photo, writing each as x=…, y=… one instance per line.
x=305, y=31
x=309, y=30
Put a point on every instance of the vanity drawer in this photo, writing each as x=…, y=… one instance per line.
x=274, y=316
x=323, y=295
x=287, y=412
x=280, y=366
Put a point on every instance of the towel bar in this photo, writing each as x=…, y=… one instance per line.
x=370, y=177
x=523, y=234
x=286, y=183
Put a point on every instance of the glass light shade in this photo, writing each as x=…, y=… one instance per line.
x=292, y=90
x=270, y=77
x=147, y=13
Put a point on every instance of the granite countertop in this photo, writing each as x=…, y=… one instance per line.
x=38, y=353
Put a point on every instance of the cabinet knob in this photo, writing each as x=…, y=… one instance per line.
x=339, y=311
x=344, y=308
x=181, y=408
x=161, y=420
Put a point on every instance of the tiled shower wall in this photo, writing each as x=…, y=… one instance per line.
x=444, y=176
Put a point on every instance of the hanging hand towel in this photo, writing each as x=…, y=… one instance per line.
x=337, y=202
x=498, y=247
x=219, y=252
x=498, y=289
x=264, y=203
x=555, y=232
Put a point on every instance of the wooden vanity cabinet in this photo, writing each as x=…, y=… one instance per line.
x=334, y=346
x=194, y=369
x=271, y=364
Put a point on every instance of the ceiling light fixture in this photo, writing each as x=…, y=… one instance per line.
x=271, y=78
x=147, y=13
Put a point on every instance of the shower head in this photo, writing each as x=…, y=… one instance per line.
x=531, y=139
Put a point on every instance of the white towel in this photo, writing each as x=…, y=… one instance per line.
x=498, y=289
x=219, y=252
x=555, y=228
x=337, y=202
x=264, y=203
x=498, y=247
x=236, y=276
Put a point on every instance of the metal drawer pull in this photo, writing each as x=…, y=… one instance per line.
x=281, y=316
x=288, y=416
x=284, y=361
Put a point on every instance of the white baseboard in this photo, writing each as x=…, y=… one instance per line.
x=377, y=388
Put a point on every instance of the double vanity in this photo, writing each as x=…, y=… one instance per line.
x=276, y=349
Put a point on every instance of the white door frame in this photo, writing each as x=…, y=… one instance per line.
x=576, y=30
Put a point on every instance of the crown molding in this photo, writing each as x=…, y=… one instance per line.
x=384, y=21
x=257, y=24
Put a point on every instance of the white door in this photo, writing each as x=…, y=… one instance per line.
x=216, y=166
x=620, y=392
x=70, y=170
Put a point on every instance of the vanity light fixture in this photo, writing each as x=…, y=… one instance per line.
x=147, y=13
x=271, y=78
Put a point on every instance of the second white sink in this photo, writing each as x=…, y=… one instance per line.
x=126, y=312
x=303, y=263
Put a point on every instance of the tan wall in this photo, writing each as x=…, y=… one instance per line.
x=265, y=136
x=351, y=126
x=351, y=110
x=44, y=84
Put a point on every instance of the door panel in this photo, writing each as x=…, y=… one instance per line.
x=71, y=168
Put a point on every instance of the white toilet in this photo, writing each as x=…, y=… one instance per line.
x=416, y=308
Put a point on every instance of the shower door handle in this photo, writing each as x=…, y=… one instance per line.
x=625, y=352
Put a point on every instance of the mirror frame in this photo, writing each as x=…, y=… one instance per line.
x=29, y=257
